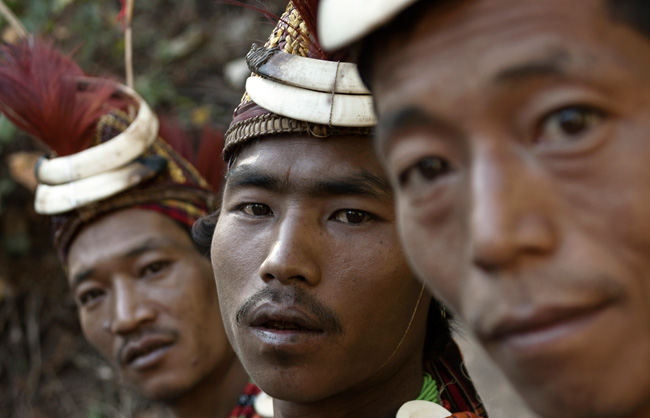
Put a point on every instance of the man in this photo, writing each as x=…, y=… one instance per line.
x=122, y=211
x=316, y=296
x=515, y=134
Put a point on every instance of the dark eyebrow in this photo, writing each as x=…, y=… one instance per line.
x=250, y=176
x=361, y=183
x=151, y=244
x=409, y=118
x=553, y=65
x=81, y=277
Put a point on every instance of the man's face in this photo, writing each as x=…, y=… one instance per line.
x=315, y=292
x=147, y=302
x=517, y=135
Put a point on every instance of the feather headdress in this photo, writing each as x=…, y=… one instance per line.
x=107, y=159
x=40, y=94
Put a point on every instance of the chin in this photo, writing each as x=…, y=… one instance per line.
x=584, y=399
x=299, y=387
x=165, y=391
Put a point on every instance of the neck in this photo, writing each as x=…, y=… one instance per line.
x=380, y=399
x=216, y=395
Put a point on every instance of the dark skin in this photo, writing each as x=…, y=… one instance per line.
x=520, y=163
x=308, y=267
x=147, y=302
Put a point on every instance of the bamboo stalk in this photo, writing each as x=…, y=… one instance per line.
x=128, y=42
x=13, y=20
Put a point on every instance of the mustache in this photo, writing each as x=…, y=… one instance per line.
x=153, y=330
x=295, y=297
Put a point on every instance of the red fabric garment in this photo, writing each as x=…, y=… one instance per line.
x=457, y=392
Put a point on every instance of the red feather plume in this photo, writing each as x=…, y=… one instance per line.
x=207, y=160
x=172, y=132
x=39, y=93
x=308, y=9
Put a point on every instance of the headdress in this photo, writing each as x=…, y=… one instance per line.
x=106, y=152
x=296, y=87
x=341, y=22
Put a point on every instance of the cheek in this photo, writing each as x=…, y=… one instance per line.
x=235, y=264
x=92, y=328
x=372, y=336
x=612, y=185
x=361, y=285
x=435, y=249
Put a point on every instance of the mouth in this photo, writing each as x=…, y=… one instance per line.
x=280, y=325
x=287, y=327
x=284, y=320
x=146, y=352
x=545, y=329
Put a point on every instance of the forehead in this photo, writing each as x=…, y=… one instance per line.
x=118, y=233
x=300, y=159
x=464, y=45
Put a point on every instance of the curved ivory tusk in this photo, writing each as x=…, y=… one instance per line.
x=52, y=200
x=341, y=22
x=109, y=155
x=263, y=405
x=312, y=106
x=313, y=74
x=422, y=409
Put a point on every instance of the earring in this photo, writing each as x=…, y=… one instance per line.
x=443, y=311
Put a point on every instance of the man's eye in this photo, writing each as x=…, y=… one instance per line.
x=352, y=216
x=153, y=268
x=568, y=124
x=89, y=296
x=256, y=209
x=425, y=170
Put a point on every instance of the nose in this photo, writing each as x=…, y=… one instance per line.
x=512, y=209
x=131, y=309
x=293, y=254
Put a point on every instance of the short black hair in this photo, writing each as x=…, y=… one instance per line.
x=635, y=13
x=439, y=330
x=202, y=232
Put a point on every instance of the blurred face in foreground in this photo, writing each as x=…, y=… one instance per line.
x=148, y=303
x=315, y=292
x=516, y=134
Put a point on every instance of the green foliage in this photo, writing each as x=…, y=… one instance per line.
x=7, y=132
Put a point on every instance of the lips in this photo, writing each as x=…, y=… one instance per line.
x=146, y=351
x=284, y=319
x=542, y=327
